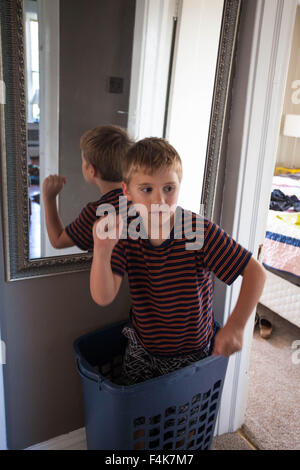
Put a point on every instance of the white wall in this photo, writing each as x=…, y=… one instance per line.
x=192, y=91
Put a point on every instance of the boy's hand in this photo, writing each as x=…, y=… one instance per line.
x=106, y=233
x=228, y=340
x=52, y=185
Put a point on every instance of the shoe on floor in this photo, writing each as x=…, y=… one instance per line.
x=265, y=327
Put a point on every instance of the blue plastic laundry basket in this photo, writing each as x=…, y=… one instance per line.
x=175, y=411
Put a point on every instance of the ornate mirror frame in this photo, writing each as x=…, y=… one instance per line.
x=13, y=134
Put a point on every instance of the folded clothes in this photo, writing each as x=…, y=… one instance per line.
x=282, y=202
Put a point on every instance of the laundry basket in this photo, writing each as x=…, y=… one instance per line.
x=174, y=411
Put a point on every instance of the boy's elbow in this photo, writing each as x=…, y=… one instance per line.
x=104, y=296
x=55, y=244
x=261, y=272
x=256, y=270
x=101, y=300
x=58, y=245
x=62, y=241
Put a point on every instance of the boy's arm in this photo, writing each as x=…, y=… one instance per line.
x=229, y=339
x=57, y=235
x=104, y=284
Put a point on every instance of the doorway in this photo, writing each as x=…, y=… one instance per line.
x=259, y=130
x=274, y=373
x=251, y=157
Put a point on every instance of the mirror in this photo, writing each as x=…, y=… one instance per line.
x=71, y=65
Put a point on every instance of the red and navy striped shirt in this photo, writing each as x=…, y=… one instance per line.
x=171, y=286
x=81, y=230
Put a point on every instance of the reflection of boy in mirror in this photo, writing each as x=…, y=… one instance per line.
x=103, y=149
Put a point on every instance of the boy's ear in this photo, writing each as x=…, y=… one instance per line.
x=92, y=170
x=126, y=190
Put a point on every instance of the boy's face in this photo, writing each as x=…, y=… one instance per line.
x=158, y=193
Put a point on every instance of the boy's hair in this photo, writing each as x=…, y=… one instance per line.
x=149, y=155
x=105, y=147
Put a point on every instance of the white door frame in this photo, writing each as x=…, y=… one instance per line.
x=255, y=125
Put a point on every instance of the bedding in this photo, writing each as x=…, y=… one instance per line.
x=282, y=297
x=282, y=242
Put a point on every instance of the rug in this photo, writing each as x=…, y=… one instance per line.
x=273, y=409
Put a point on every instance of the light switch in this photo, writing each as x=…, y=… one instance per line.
x=116, y=85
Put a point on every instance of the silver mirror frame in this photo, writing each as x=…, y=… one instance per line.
x=13, y=134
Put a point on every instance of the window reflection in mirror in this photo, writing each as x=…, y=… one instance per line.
x=33, y=118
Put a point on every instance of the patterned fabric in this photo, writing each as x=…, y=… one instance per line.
x=171, y=286
x=139, y=365
x=81, y=230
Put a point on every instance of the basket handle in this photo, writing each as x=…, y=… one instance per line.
x=86, y=373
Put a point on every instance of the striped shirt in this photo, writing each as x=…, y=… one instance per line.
x=81, y=230
x=171, y=286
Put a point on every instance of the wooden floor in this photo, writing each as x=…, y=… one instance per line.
x=76, y=440
x=73, y=441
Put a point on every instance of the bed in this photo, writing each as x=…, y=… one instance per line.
x=281, y=250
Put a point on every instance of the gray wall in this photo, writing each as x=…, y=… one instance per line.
x=39, y=320
x=96, y=40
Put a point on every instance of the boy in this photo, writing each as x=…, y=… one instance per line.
x=102, y=151
x=171, y=286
